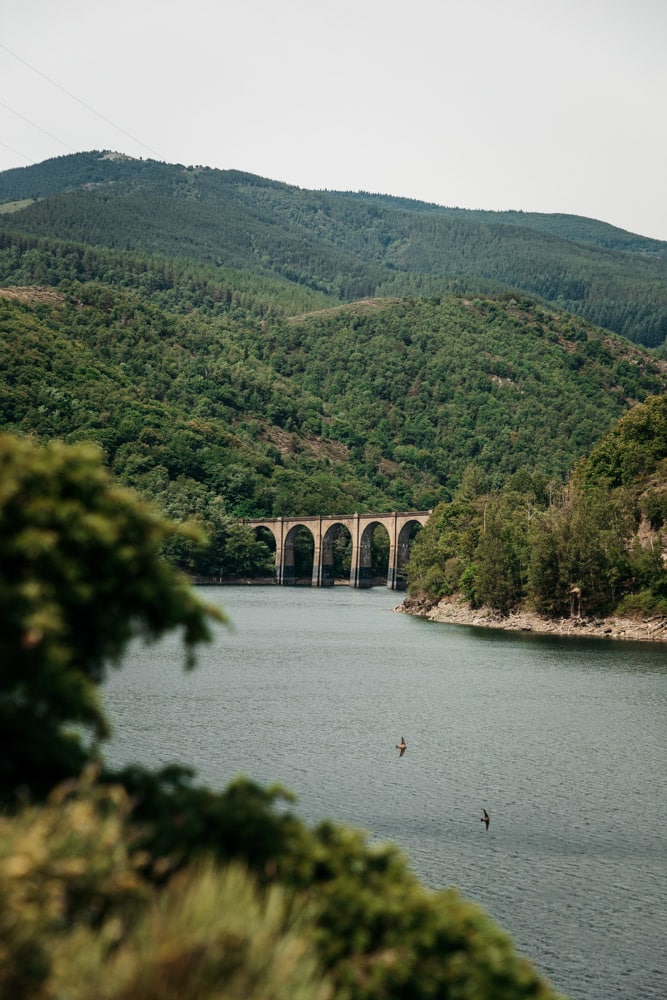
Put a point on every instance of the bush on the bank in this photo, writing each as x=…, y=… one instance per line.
x=582, y=548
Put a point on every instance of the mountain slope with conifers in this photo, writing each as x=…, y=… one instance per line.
x=194, y=324
x=341, y=244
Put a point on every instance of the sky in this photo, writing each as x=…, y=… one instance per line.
x=535, y=105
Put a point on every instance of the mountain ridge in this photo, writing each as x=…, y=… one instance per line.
x=346, y=245
x=19, y=179
x=239, y=347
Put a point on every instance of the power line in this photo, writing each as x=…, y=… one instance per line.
x=11, y=149
x=35, y=125
x=78, y=100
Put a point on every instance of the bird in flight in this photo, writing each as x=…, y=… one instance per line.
x=485, y=818
x=402, y=746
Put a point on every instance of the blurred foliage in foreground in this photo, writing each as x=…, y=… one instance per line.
x=139, y=885
x=89, y=911
x=80, y=574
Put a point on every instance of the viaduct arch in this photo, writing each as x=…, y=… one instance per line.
x=323, y=529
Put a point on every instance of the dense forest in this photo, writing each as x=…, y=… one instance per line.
x=192, y=323
x=346, y=246
x=594, y=545
x=374, y=407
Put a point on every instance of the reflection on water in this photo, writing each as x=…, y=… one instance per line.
x=562, y=740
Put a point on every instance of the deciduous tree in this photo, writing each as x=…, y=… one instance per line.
x=81, y=573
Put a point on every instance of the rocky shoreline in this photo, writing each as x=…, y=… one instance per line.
x=457, y=612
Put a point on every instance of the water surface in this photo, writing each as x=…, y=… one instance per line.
x=561, y=740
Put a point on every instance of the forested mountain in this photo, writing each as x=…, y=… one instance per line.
x=344, y=245
x=192, y=323
x=380, y=405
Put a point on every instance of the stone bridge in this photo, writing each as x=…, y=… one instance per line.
x=399, y=528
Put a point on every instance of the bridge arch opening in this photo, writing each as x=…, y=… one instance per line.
x=406, y=537
x=267, y=547
x=336, y=555
x=374, y=552
x=298, y=556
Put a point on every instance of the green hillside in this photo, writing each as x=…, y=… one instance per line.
x=344, y=245
x=435, y=384
x=594, y=545
x=180, y=409
x=194, y=324
x=370, y=406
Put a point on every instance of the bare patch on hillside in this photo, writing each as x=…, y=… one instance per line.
x=29, y=294
x=352, y=308
x=321, y=448
x=9, y=207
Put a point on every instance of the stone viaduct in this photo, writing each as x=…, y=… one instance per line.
x=399, y=528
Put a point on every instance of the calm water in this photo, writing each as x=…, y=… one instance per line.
x=563, y=742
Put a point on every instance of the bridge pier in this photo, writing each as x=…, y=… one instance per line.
x=323, y=529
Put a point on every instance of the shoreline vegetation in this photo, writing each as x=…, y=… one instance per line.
x=454, y=611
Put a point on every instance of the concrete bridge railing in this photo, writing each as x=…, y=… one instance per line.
x=399, y=527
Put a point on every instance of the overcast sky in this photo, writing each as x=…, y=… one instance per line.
x=540, y=105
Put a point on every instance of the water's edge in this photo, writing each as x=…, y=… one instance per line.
x=458, y=612
x=560, y=737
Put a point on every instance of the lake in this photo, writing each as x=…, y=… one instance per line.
x=561, y=740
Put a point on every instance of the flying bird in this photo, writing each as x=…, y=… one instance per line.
x=402, y=746
x=485, y=818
